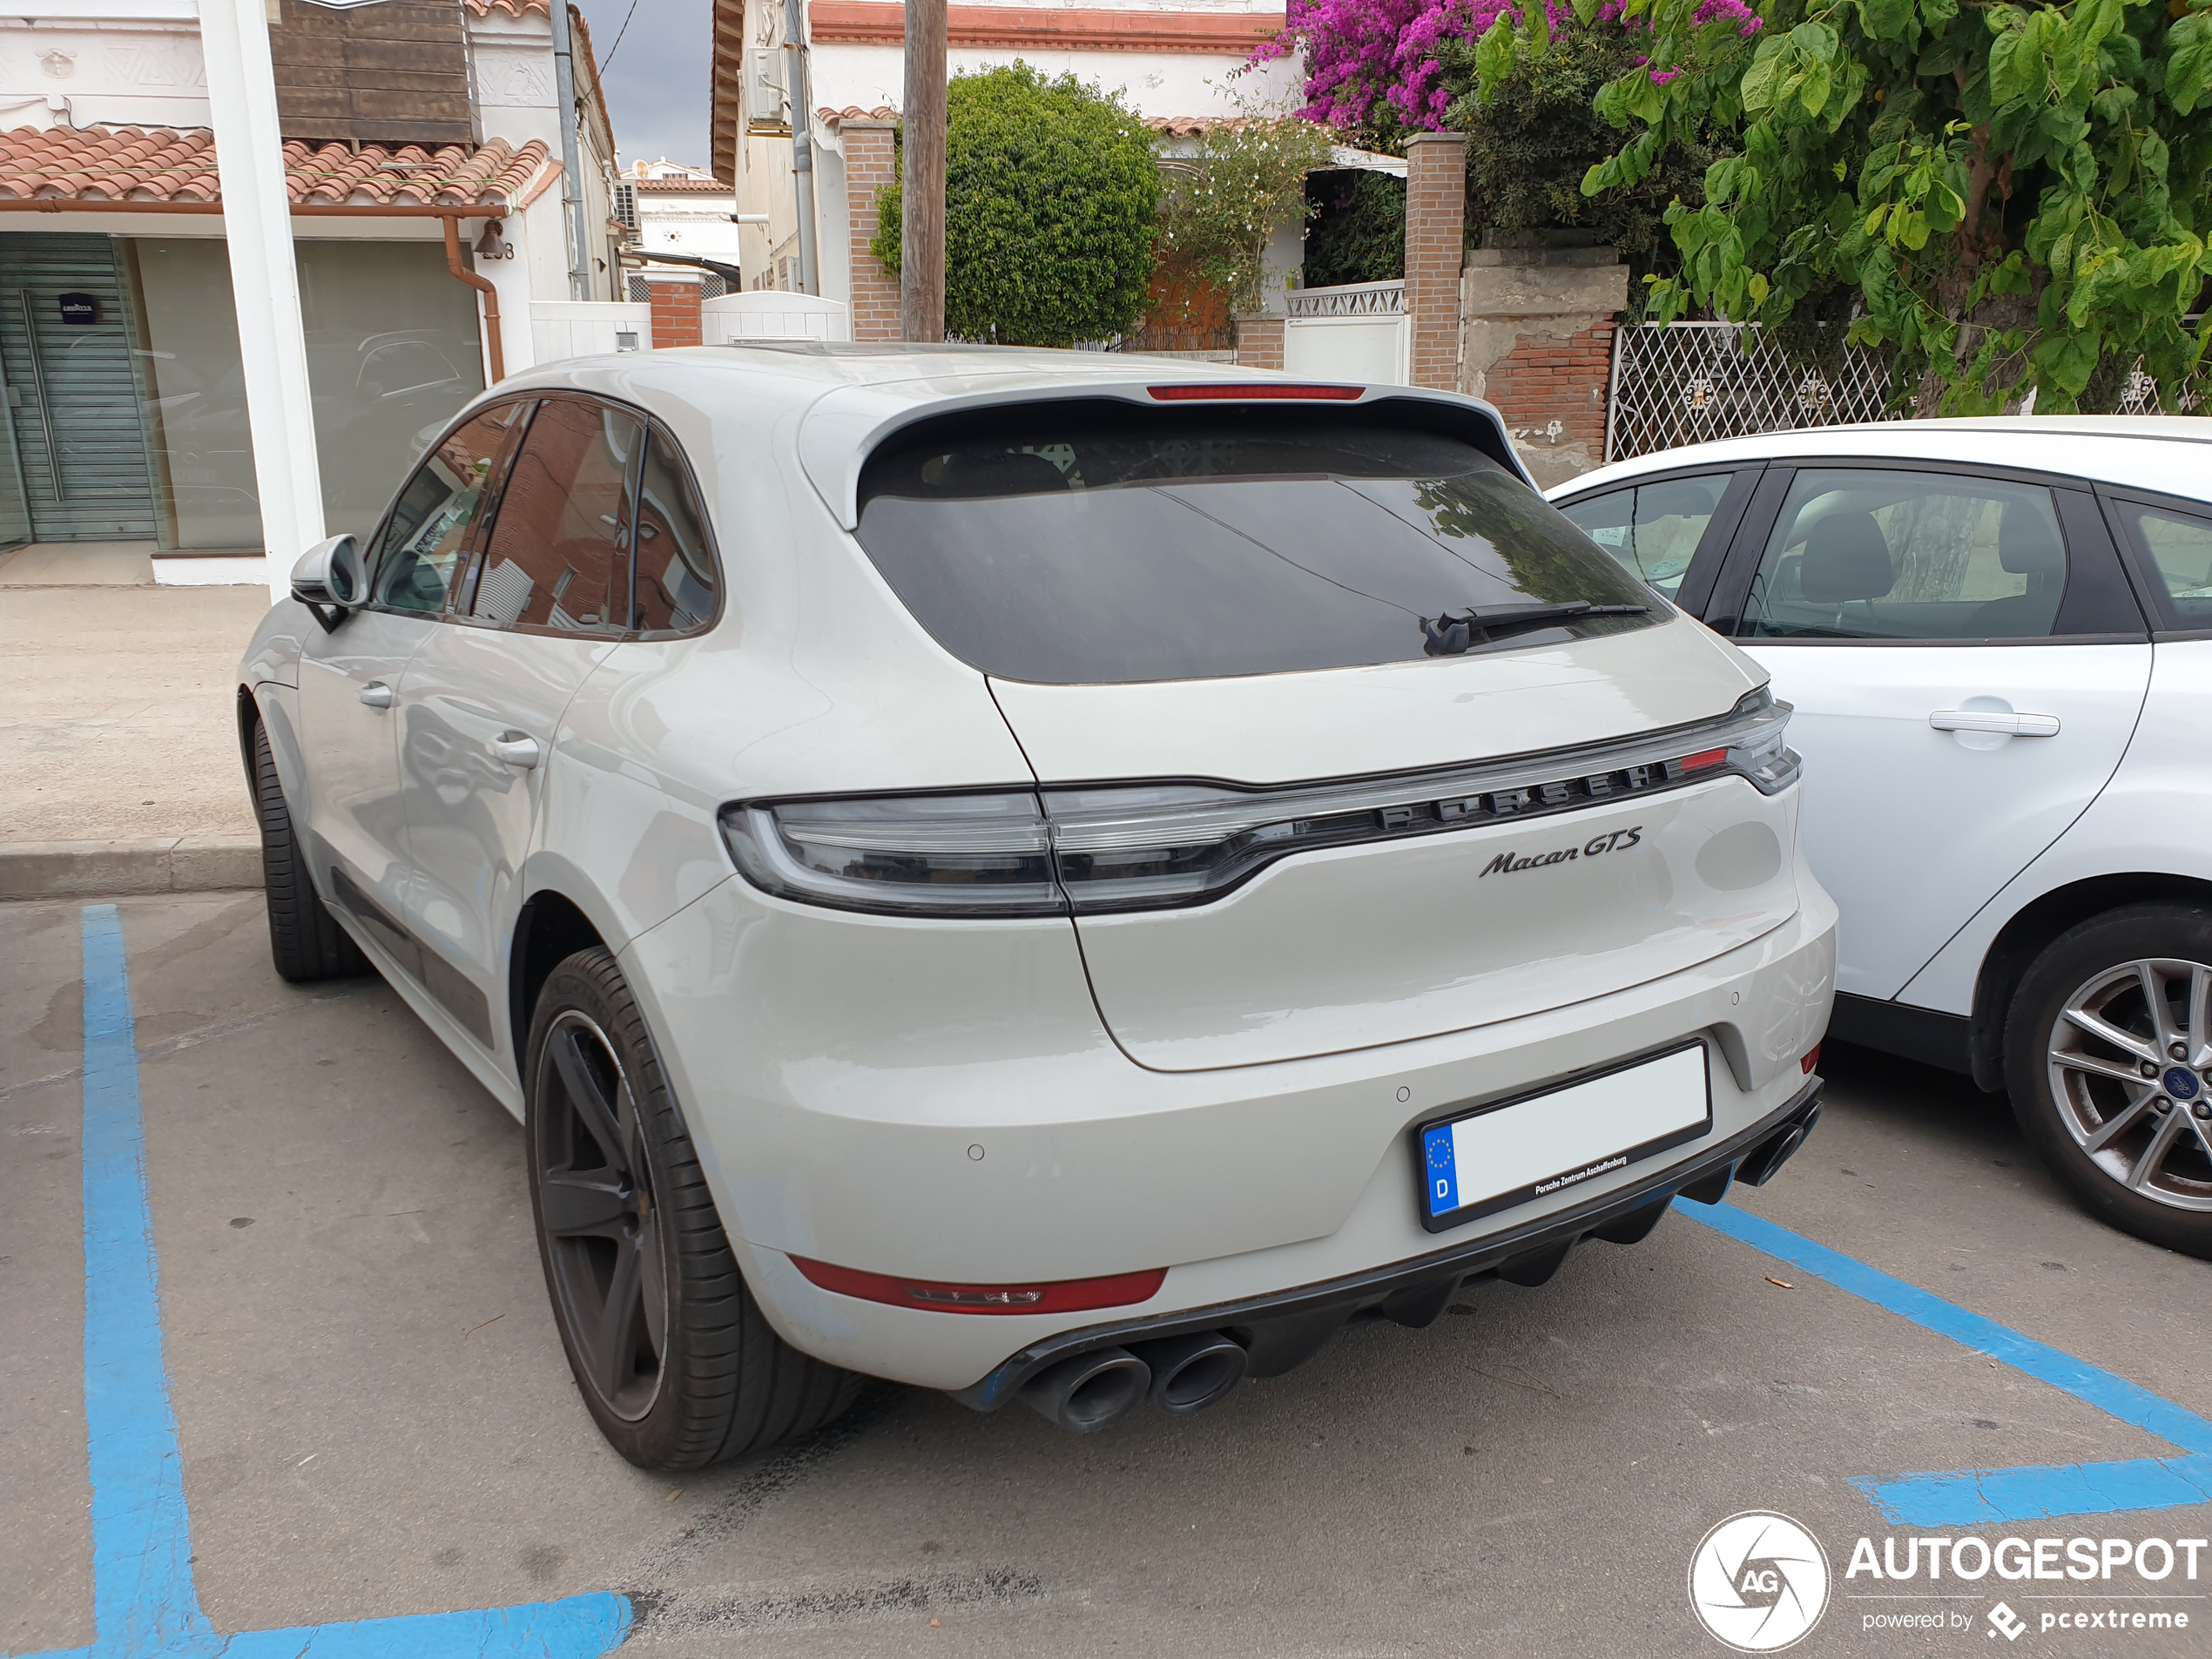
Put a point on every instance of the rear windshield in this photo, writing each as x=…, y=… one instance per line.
x=1070, y=545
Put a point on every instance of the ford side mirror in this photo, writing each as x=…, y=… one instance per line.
x=328, y=580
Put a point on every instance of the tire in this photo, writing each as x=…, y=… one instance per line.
x=627, y=1236
x=2078, y=1089
x=306, y=941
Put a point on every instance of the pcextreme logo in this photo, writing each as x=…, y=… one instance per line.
x=1758, y=1581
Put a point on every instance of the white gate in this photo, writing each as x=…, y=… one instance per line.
x=1358, y=331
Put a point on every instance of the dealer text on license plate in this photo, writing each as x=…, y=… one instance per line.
x=1512, y=1151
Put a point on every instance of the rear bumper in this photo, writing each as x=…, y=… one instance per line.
x=1283, y=1330
x=943, y=1104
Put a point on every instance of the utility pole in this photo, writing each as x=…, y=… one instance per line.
x=571, y=170
x=802, y=142
x=922, y=221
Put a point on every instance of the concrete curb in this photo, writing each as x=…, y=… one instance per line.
x=155, y=864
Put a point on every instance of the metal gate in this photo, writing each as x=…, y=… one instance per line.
x=1357, y=332
x=73, y=398
x=1686, y=383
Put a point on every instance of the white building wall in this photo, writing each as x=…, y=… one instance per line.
x=1151, y=83
x=117, y=70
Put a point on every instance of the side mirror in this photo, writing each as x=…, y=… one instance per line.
x=329, y=581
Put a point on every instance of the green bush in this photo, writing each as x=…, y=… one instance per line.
x=1358, y=230
x=1531, y=141
x=1051, y=202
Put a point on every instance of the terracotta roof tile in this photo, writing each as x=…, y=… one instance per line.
x=161, y=164
x=853, y=113
x=1184, y=126
x=678, y=186
x=512, y=7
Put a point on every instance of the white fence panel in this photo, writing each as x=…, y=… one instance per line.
x=562, y=328
x=770, y=313
x=1347, y=349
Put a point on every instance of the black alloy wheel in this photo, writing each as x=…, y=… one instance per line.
x=306, y=943
x=675, y=1360
x=603, y=1257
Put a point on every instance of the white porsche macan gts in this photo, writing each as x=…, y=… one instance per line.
x=1041, y=876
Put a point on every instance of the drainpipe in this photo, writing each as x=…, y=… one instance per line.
x=493, y=349
x=802, y=142
x=571, y=173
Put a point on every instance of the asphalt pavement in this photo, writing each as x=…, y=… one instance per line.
x=372, y=1418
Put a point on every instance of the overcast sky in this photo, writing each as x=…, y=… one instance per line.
x=658, y=80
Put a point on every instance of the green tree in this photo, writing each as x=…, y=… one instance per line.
x=1223, y=203
x=1538, y=133
x=2010, y=195
x=1051, y=199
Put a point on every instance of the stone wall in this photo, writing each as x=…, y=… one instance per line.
x=1536, y=340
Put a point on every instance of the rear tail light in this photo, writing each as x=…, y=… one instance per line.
x=1048, y=1295
x=1151, y=847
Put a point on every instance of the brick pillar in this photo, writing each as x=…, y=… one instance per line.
x=1436, y=217
x=870, y=164
x=1259, y=343
x=676, y=311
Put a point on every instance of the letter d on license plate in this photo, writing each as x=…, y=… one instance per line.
x=1511, y=1151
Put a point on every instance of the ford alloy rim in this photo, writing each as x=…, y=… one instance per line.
x=2131, y=1071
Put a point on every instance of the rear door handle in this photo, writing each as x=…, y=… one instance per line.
x=2011, y=725
x=377, y=695
x=515, y=749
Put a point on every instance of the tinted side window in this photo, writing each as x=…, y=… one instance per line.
x=1065, y=544
x=1653, y=530
x=1870, y=555
x=2179, y=546
x=675, y=573
x=414, y=560
x=559, y=553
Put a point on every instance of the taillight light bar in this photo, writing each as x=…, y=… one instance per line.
x=1256, y=392
x=1104, y=848
x=1048, y=1296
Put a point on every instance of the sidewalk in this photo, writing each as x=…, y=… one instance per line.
x=119, y=768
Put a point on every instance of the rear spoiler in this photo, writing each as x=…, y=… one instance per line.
x=848, y=424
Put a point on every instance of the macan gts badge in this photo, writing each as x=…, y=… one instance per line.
x=977, y=870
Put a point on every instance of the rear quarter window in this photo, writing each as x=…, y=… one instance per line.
x=1068, y=544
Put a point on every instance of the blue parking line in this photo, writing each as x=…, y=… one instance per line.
x=145, y=1604
x=1983, y=1497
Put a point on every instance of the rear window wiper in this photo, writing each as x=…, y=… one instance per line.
x=1449, y=636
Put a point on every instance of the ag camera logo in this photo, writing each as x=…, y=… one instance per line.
x=1758, y=1581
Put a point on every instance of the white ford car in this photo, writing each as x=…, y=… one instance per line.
x=1037, y=875
x=1998, y=638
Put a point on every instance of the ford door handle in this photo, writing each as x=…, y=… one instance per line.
x=515, y=749
x=377, y=695
x=2011, y=725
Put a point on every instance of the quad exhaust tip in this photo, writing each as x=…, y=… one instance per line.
x=1088, y=1390
x=1191, y=1372
x=1180, y=1375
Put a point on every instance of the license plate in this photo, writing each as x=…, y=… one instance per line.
x=1511, y=1151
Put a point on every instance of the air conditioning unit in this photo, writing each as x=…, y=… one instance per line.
x=767, y=103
